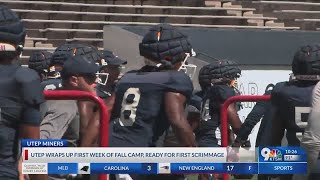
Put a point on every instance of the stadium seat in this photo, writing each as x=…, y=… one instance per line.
x=288, y=3
x=287, y=11
x=157, y=18
x=136, y=7
x=147, y=23
x=296, y=14
x=85, y=39
x=71, y=33
x=307, y=20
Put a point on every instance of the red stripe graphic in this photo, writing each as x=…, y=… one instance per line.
x=26, y=154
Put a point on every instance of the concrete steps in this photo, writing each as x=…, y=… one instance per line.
x=287, y=17
x=234, y=4
x=213, y=3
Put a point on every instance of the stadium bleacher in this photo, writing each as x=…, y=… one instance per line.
x=292, y=13
x=51, y=23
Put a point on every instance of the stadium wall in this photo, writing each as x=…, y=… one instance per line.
x=253, y=49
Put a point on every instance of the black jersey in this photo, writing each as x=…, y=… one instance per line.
x=292, y=101
x=212, y=99
x=19, y=89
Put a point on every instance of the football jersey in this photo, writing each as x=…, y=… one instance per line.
x=292, y=101
x=51, y=84
x=139, y=117
x=19, y=88
x=208, y=133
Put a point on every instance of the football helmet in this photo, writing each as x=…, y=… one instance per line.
x=12, y=33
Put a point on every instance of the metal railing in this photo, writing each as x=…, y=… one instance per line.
x=224, y=116
x=81, y=95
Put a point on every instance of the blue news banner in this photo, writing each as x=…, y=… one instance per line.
x=271, y=160
x=177, y=168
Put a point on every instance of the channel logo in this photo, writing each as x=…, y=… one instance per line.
x=271, y=154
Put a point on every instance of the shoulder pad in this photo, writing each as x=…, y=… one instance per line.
x=268, y=92
x=278, y=87
x=269, y=87
x=221, y=92
x=30, y=86
x=24, y=74
x=181, y=83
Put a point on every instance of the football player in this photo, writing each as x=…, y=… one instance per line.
x=21, y=95
x=53, y=80
x=142, y=96
x=62, y=117
x=61, y=55
x=292, y=100
x=217, y=85
x=192, y=111
x=217, y=82
x=154, y=97
x=110, y=72
x=39, y=61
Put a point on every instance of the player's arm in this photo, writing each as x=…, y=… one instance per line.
x=193, y=109
x=222, y=93
x=252, y=119
x=194, y=119
x=92, y=130
x=89, y=123
x=29, y=127
x=86, y=113
x=174, y=108
x=233, y=118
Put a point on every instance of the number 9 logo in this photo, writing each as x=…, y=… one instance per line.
x=265, y=153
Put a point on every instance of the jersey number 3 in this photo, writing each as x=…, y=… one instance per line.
x=129, y=106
